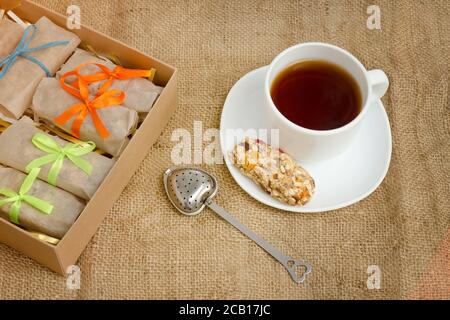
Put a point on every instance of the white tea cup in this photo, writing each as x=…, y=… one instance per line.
x=315, y=145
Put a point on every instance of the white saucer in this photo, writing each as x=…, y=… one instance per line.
x=341, y=181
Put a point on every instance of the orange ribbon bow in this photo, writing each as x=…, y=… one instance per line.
x=119, y=73
x=87, y=107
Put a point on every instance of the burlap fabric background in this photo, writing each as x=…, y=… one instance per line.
x=145, y=249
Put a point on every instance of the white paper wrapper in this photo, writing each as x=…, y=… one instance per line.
x=17, y=151
x=66, y=209
x=141, y=93
x=50, y=101
x=18, y=85
x=10, y=35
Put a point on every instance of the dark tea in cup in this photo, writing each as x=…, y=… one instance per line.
x=317, y=95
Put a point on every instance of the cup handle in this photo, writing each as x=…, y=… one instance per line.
x=379, y=82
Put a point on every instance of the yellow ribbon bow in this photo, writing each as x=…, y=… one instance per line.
x=16, y=199
x=57, y=154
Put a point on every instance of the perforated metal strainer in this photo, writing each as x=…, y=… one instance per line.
x=190, y=190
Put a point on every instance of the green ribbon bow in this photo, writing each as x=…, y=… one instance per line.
x=16, y=199
x=73, y=151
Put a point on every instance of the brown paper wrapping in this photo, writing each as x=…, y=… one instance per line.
x=141, y=93
x=18, y=85
x=10, y=35
x=50, y=101
x=67, y=207
x=17, y=151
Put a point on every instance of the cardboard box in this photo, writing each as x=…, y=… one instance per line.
x=59, y=257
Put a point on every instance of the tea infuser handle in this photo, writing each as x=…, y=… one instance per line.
x=379, y=82
x=289, y=263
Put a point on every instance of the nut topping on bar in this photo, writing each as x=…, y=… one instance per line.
x=274, y=170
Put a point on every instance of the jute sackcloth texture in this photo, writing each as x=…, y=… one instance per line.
x=145, y=249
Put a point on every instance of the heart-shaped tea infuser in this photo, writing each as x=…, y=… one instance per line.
x=190, y=190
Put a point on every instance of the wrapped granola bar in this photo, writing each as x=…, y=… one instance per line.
x=51, y=101
x=35, y=204
x=10, y=34
x=23, y=146
x=42, y=50
x=274, y=171
x=140, y=93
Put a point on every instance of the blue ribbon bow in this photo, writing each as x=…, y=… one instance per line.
x=22, y=50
